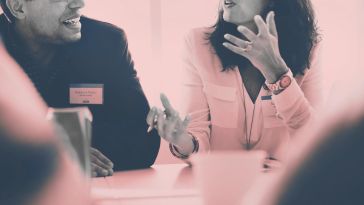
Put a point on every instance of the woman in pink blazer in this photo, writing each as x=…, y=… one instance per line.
x=251, y=81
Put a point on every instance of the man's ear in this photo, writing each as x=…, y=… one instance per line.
x=16, y=8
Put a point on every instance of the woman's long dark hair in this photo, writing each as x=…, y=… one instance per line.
x=297, y=33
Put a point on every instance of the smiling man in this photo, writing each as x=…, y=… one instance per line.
x=77, y=61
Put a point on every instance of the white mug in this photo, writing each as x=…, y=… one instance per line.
x=224, y=177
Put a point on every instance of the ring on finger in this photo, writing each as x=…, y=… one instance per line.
x=249, y=47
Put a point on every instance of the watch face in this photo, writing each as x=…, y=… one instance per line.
x=285, y=81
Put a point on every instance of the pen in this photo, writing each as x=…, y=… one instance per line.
x=150, y=128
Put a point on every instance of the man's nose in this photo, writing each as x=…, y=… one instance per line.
x=76, y=4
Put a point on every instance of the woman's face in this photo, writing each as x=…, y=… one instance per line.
x=241, y=12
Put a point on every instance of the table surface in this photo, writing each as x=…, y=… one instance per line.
x=160, y=184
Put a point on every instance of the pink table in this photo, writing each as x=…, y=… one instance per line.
x=163, y=184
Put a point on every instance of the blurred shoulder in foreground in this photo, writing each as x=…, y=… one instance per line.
x=331, y=171
x=34, y=168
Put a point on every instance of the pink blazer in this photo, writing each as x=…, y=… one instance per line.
x=215, y=101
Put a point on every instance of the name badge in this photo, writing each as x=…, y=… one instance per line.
x=87, y=94
x=267, y=97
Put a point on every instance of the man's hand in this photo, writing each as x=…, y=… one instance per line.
x=101, y=165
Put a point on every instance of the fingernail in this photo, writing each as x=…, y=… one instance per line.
x=155, y=120
x=224, y=44
x=241, y=28
x=150, y=128
x=226, y=36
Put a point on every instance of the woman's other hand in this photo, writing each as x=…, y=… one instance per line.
x=170, y=126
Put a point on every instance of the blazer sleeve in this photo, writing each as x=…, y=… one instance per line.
x=299, y=103
x=129, y=145
x=195, y=102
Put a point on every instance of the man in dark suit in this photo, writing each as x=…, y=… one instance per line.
x=77, y=61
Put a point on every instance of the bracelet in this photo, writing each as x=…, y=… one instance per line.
x=175, y=152
x=281, y=84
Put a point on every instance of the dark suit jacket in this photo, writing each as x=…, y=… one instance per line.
x=100, y=57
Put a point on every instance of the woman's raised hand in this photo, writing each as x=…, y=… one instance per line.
x=261, y=49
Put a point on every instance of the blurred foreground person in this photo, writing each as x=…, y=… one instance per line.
x=34, y=169
x=331, y=170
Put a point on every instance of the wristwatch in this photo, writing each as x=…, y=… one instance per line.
x=282, y=83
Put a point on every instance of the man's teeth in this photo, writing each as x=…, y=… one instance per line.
x=72, y=21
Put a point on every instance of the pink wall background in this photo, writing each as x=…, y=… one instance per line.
x=155, y=29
